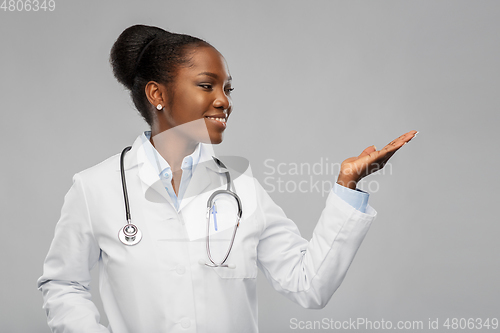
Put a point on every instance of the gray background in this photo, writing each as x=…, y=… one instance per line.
x=314, y=80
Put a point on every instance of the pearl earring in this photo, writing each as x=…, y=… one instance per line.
x=159, y=107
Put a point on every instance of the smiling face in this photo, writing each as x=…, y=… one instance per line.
x=201, y=91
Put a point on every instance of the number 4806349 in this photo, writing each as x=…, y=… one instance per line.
x=28, y=5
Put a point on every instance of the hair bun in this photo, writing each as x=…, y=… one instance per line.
x=142, y=54
x=127, y=50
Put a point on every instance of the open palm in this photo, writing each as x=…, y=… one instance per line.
x=353, y=169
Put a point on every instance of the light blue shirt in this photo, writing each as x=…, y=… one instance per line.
x=356, y=198
x=165, y=171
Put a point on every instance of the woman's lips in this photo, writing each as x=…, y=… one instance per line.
x=219, y=121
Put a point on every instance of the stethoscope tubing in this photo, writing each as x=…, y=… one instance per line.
x=124, y=184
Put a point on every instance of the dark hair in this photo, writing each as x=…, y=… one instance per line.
x=144, y=53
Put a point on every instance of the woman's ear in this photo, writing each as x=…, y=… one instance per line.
x=156, y=94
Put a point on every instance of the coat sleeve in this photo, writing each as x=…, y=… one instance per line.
x=309, y=272
x=66, y=271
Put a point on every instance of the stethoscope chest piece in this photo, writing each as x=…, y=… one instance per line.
x=130, y=234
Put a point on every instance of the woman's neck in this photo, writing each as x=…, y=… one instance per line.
x=173, y=147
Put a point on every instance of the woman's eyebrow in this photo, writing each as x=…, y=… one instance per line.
x=215, y=76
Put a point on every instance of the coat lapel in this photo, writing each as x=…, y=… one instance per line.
x=152, y=184
x=206, y=173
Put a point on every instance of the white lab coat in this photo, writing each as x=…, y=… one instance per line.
x=159, y=284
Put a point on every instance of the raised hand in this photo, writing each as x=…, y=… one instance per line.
x=353, y=169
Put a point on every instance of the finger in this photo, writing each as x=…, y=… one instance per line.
x=381, y=156
x=399, y=142
x=367, y=151
x=378, y=161
x=371, y=155
x=408, y=136
x=383, y=159
x=412, y=135
x=393, y=146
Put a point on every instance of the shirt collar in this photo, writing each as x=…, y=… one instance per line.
x=160, y=164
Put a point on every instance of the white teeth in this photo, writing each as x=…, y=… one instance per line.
x=222, y=120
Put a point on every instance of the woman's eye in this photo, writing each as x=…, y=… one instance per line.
x=206, y=86
x=229, y=90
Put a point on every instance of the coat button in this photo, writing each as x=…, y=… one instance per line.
x=185, y=323
x=181, y=270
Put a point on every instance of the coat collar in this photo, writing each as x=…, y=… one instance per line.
x=200, y=181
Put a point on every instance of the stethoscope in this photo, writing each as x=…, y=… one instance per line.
x=131, y=235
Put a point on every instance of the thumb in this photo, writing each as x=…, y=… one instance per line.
x=367, y=151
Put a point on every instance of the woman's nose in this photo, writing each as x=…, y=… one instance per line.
x=222, y=101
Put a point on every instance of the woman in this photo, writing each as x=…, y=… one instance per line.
x=167, y=282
